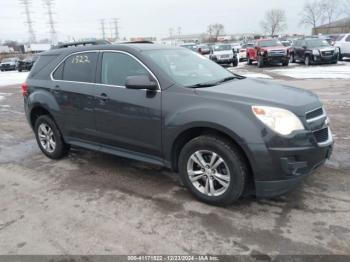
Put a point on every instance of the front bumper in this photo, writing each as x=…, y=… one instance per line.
x=295, y=166
x=281, y=163
x=276, y=59
x=317, y=59
x=223, y=61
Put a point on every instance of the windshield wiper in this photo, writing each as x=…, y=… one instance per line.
x=226, y=79
x=207, y=84
x=213, y=83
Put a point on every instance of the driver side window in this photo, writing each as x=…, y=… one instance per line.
x=116, y=67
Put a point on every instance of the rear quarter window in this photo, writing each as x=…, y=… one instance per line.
x=41, y=63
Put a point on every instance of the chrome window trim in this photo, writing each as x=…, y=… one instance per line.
x=100, y=84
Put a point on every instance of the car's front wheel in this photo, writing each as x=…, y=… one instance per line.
x=260, y=62
x=213, y=169
x=49, y=138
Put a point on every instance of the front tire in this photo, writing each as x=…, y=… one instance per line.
x=249, y=61
x=49, y=138
x=213, y=170
x=307, y=60
x=260, y=62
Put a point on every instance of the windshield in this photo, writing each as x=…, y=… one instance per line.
x=316, y=43
x=267, y=43
x=339, y=37
x=188, y=68
x=222, y=47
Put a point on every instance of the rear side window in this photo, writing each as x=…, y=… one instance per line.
x=348, y=39
x=79, y=67
x=116, y=67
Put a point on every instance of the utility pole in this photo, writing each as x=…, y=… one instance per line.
x=51, y=22
x=26, y=4
x=116, y=28
x=103, y=31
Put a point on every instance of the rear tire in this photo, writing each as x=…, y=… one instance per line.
x=49, y=138
x=210, y=188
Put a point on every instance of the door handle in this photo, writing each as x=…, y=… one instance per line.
x=103, y=97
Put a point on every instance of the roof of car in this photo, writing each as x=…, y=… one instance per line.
x=123, y=47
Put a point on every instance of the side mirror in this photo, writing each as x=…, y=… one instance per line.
x=304, y=46
x=140, y=82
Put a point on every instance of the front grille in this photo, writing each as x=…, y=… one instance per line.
x=327, y=53
x=277, y=53
x=321, y=135
x=315, y=113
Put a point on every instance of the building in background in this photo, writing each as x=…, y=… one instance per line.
x=337, y=27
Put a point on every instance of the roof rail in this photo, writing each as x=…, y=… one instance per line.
x=82, y=43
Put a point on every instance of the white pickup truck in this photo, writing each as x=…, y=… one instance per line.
x=343, y=43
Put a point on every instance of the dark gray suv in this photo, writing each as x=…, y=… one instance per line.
x=226, y=135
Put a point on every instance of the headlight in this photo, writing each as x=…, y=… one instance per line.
x=280, y=120
x=262, y=52
x=336, y=50
x=316, y=52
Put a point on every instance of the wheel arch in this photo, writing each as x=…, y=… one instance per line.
x=186, y=135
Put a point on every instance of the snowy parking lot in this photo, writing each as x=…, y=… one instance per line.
x=92, y=203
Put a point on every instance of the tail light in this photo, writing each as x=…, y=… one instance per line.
x=24, y=89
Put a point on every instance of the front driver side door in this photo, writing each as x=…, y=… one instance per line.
x=126, y=118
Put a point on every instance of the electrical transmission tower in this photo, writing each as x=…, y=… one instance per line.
x=116, y=28
x=103, y=29
x=49, y=5
x=26, y=4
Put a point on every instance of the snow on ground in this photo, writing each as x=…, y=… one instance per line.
x=340, y=71
x=12, y=78
x=255, y=75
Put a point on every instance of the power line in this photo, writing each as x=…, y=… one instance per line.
x=103, y=31
x=51, y=22
x=116, y=28
x=26, y=4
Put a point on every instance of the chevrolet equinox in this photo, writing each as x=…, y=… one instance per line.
x=225, y=134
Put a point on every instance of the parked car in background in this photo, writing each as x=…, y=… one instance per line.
x=203, y=49
x=224, y=54
x=225, y=134
x=314, y=51
x=26, y=64
x=243, y=51
x=342, y=43
x=9, y=64
x=268, y=51
x=191, y=46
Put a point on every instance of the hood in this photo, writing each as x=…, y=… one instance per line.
x=264, y=92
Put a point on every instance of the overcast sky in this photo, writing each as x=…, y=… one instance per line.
x=81, y=18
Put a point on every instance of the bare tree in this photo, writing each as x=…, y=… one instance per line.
x=312, y=14
x=274, y=22
x=215, y=30
x=330, y=10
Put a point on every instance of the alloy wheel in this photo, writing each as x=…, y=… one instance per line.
x=208, y=173
x=46, y=138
